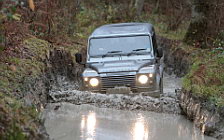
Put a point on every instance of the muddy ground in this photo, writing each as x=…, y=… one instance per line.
x=168, y=103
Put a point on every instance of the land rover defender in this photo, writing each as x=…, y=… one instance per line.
x=123, y=56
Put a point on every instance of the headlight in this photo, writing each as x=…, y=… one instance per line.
x=86, y=79
x=143, y=79
x=150, y=75
x=94, y=82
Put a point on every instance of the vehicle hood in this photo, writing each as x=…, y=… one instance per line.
x=120, y=66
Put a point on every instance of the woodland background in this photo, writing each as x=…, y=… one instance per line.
x=30, y=28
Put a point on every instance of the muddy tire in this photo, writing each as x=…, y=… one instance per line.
x=161, y=88
x=161, y=95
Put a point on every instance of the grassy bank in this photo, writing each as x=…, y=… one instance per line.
x=22, y=87
x=19, y=119
x=206, y=76
x=15, y=69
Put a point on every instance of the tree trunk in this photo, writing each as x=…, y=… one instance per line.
x=198, y=31
x=139, y=6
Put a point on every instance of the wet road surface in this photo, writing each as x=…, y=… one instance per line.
x=65, y=121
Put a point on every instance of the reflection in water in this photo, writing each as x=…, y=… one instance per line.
x=195, y=133
x=91, y=123
x=140, y=130
x=83, y=122
x=107, y=124
x=88, y=126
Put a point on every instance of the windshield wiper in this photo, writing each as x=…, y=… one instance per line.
x=111, y=53
x=137, y=51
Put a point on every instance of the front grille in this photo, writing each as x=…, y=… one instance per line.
x=120, y=80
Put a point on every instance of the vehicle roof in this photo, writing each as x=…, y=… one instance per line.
x=122, y=29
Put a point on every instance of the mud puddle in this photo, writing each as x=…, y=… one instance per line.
x=168, y=103
x=83, y=115
x=66, y=121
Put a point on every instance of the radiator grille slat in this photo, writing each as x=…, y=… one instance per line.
x=121, y=80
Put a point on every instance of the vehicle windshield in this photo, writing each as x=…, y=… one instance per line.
x=120, y=45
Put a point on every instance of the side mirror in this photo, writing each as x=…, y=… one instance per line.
x=78, y=58
x=159, y=52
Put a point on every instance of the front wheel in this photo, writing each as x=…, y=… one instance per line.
x=161, y=95
x=161, y=87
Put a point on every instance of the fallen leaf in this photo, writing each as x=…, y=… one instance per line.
x=16, y=17
x=12, y=67
x=31, y=5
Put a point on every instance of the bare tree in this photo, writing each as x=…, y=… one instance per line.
x=198, y=26
x=205, y=22
x=137, y=6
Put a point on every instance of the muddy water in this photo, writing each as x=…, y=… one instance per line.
x=85, y=121
x=168, y=103
x=65, y=121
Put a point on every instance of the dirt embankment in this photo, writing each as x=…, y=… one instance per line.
x=23, y=90
x=26, y=80
x=176, y=60
x=205, y=115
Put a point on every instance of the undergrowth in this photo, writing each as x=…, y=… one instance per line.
x=206, y=76
x=19, y=121
x=14, y=70
x=16, y=119
x=91, y=17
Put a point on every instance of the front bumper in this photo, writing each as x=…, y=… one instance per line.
x=130, y=81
